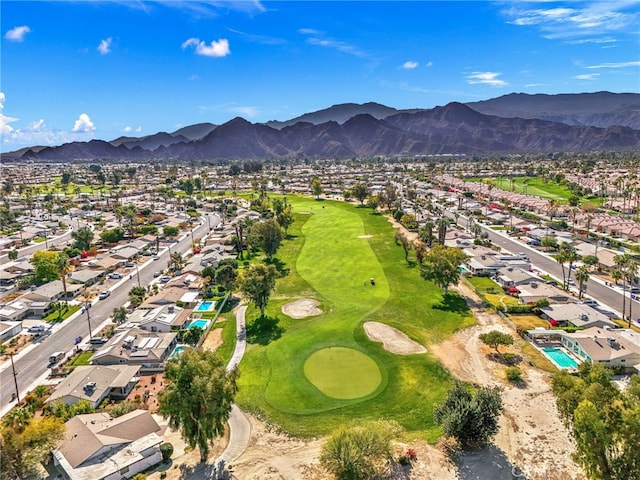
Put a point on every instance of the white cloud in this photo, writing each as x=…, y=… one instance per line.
x=126, y=129
x=314, y=37
x=429, y=64
x=587, y=76
x=17, y=34
x=218, y=48
x=138, y=129
x=2, y=99
x=616, y=65
x=194, y=77
x=83, y=124
x=409, y=65
x=246, y=111
x=105, y=46
x=586, y=18
x=486, y=78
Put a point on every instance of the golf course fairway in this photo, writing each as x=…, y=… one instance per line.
x=323, y=370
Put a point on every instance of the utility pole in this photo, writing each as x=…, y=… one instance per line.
x=87, y=306
x=15, y=378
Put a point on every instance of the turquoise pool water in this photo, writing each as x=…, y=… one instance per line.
x=177, y=351
x=205, y=306
x=560, y=358
x=203, y=324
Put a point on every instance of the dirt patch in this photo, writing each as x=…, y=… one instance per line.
x=393, y=340
x=305, y=307
x=213, y=340
x=531, y=435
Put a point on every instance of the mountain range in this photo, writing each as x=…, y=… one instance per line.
x=512, y=123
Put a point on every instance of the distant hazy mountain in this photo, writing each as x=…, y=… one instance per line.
x=195, y=132
x=337, y=113
x=352, y=130
x=600, y=109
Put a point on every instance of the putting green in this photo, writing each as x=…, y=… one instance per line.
x=342, y=373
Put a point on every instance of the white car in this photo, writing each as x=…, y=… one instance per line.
x=115, y=275
x=104, y=294
x=35, y=329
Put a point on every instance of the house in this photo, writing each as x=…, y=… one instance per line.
x=85, y=277
x=534, y=291
x=483, y=264
x=95, y=383
x=126, y=253
x=514, y=277
x=8, y=330
x=168, y=295
x=577, y=315
x=97, y=446
x=135, y=346
x=163, y=319
x=604, y=346
x=52, y=291
x=14, y=311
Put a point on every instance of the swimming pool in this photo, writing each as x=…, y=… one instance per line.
x=203, y=324
x=177, y=351
x=560, y=357
x=205, y=306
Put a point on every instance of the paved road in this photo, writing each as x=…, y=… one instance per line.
x=608, y=296
x=32, y=364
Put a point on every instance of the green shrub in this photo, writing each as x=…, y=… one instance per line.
x=166, y=449
x=514, y=375
x=519, y=309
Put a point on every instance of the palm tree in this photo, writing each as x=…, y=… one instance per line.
x=631, y=273
x=443, y=224
x=177, y=261
x=621, y=261
x=582, y=276
x=63, y=267
x=426, y=232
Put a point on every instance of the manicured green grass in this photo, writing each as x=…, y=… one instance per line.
x=492, y=291
x=82, y=359
x=54, y=316
x=332, y=251
x=340, y=372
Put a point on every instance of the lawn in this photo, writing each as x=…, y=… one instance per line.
x=55, y=317
x=82, y=359
x=492, y=291
x=332, y=251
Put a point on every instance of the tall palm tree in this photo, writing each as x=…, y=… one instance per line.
x=63, y=267
x=582, y=276
x=631, y=273
x=443, y=224
x=621, y=261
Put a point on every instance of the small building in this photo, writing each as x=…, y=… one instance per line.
x=604, y=346
x=97, y=446
x=14, y=311
x=95, y=383
x=534, y=291
x=514, y=277
x=8, y=330
x=576, y=315
x=135, y=346
x=85, y=277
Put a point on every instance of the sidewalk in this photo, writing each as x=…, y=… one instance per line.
x=239, y=426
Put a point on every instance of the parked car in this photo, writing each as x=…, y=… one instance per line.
x=35, y=329
x=115, y=275
x=129, y=265
x=156, y=274
x=165, y=278
x=591, y=303
x=98, y=340
x=104, y=294
x=156, y=257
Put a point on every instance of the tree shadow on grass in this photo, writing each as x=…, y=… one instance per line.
x=281, y=267
x=263, y=330
x=452, y=302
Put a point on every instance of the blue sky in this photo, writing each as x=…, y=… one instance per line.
x=101, y=69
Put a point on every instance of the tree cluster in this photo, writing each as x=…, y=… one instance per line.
x=604, y=421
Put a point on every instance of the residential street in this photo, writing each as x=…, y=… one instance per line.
x=32, y=363
x=607, y=296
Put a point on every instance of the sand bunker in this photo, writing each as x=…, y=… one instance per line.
x=393, y=340
x=305, y=307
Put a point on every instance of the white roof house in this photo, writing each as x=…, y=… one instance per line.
x=605, y=346
x=99, y=447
